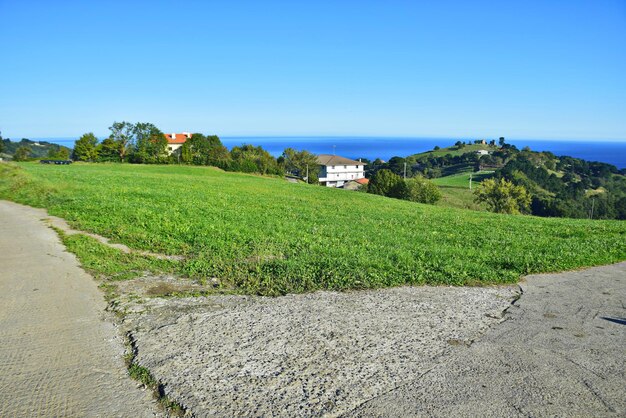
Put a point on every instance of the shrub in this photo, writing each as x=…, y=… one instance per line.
x=418, y=189
x=502, y=196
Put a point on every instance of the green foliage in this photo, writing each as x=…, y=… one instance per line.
x=23, y=153
x=150, y=144
x=266, y=236
x=86, y=148
x=59, y=153
x=251, y=159
x=205, y=150
x=108, y=150
x=418, y=189
x=38, y=149
x=104, y=261
x=301, y=164
x=384, y=183
x=123, y=135
x=502, y=196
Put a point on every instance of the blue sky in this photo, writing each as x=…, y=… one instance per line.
x=520, y=69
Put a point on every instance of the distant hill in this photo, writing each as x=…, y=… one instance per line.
x=38, y=149
x=560, y=186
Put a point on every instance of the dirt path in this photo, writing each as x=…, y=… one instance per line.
x=58, y=357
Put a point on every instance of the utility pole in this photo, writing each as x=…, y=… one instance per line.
x=334, y=146
x=593, y=202
x=470, y=181
x=405, y=170
x=307, y=173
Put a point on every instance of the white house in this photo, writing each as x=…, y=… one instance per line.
x=482, y=152
x=175, y=141
x=335, y=171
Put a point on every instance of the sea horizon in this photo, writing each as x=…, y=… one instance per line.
x=611, y=151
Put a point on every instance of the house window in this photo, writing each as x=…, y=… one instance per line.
x=169, y=148
x=357, y=167
x=345, y=166
x=333, y=167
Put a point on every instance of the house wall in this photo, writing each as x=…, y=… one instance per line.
x=173, y=147
x=337, y=175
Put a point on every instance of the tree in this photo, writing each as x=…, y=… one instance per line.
x=205, y=150
x=22, y=153
x=437, y=148
x=123, y=133
x=417, y=189
x=150, y=144
x=251, y=159
x=59, y=153
x=301, y=163
x=383, y=182
x=502, y=196
x=108, y=151
x=501, y=141
x=85, y=149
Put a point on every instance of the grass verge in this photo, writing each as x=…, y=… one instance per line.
x=143, y=375
x=267, y=236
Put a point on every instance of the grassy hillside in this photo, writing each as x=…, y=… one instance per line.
x=462, y=180
x=268, y=236
x=455, y=189
x=453, y=150
x=37, y=149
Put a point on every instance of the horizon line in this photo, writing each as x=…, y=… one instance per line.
x=356, y=136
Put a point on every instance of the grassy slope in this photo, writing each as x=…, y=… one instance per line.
x=268, y=236
x=455, y=190
x=453, y=151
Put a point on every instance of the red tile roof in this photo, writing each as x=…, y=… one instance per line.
x=362, y=181
x=176, y=138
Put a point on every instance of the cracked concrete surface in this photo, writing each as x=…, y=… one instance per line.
x=314, y=354
x=561, y=353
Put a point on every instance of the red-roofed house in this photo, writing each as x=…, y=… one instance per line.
x=175, y=141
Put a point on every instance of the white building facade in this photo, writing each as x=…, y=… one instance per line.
x=175, y=141
x=336, y=171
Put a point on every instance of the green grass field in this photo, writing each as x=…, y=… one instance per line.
x=455, y=190
x=461, y=180
x=453, y=151
x=267, y=236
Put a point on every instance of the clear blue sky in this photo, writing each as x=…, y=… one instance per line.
x=522, y=69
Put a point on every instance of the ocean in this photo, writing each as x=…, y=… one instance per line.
x=612, y=152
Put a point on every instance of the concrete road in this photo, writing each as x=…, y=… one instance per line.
x=58, y=357
x=562, y=353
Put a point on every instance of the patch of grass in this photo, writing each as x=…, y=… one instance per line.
x=461, y=180
x=113, y=264
x=455, y=152
x=455, y=190
x=143, y=375
x=267, y=236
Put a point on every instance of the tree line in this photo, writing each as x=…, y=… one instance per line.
x=144, y=143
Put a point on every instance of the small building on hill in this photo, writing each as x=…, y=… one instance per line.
x=335, y=171
x=175, y=141
x=356, y=184
x=482, y=152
